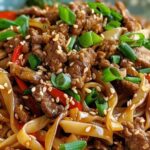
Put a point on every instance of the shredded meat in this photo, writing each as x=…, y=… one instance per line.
x=24, y=73
x=136, y=137
x=50, y=108
x=80, y=65
x=143, y=59
x=59, y=57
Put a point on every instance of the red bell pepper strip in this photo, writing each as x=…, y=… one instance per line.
x=21, y=84
x=11, y=15
x=148, y=77
x=61, y=95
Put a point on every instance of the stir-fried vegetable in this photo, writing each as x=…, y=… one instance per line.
x=34, y=61
x=133, y=79
x=115, y=59
x=27, y=92
x=111, y=74
x=71, y=43
x=6, y=35
x=61, y=81
x=73, y=94
x=112, y=24
x=67, y=15
x=127, y=51
x=4, y=23
x=89, y=39
x=11, y=15
x=145, y=70
x=147, y=44
x=76, y=145
x=115, y=15
x=133, y=39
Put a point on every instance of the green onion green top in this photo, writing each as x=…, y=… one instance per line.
x=67, y=15
x=7, y=34
x=145, y=70
x=88, y=39
x=127, y=51
x=71, y=43
x=61, y=81
x=76, y=145
x=4, y=24
x=73, y=94
x=112, y=24
x=133, y=79
x=34, y=61
x=116, y=16
x=147, y=44
x=111, y=74
x=115, y=59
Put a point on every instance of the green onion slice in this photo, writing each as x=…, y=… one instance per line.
x=112, y=24
x=23, y=22
x=34, y=61
x=61, y=81
x=133, y=39
x=71, y=43
x=73, y=94
x=77, y=145
x=67, y=15
x=111, y=74
x=115, y=59
x=89, y=39
x=127, y=51
x=116, y=16
x=133, y=79
x=4, y=24
x=4, y=35
x=27, y=92
x=147, y=44
x=101, y=107
x=99, y=8
x=145, y=70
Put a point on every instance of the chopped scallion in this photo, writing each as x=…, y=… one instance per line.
x=73, y=94
x=133, y=79
x=4, y=24
x=116, y=16
x=4, y=35
x=111, y=74
x=147, y=44
x=145, y=70
x=27, y=92
x=115, y=59
x=127, y=51
x=71, y=43
x=112, y=24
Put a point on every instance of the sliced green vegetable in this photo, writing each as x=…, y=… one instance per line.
x=115, y=59
x=133, y=79
x=112, y=24
x=116, y=16
x=99, y=8
x=73, y=94
x=89, y=39
x=71, y=43
x=145, y=70
x=67, y=15
x=127, y=51
x=23, y=22
x=77, y=145
x=133, y=39
x=7, y=34
x=111, y=74
x=4, y=23
x=34, y=61
x=61, y=81
x=147, y=44
x=101, y=107
x=27, y=92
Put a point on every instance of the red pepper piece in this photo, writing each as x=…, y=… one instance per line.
x=8, y=15
x=57, y=93
x=21, y=84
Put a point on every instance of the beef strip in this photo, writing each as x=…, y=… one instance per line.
x=136, y=137
x=80, y=66
x=24, y=73
x=55, y=58
x=143, y=59
x=50, y=108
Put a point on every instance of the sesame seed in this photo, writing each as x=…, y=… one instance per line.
x=88, y=129
x=142, y=120
x=21, y=107
x=41, y=93
x=137, y=132
x=50, y=89
x=53, y=100
x=65, y=95
x=98, y=88
x=9, y=91
x=5, y=85
x=94, y=76
x=85, y=69
x=87, y=90
x=9, y=38
x=105, y=111
x=22, y=42
x=74, y=90
x=102, y=35
x=71, y=64
x=129, y=103
x=66, y=107
x=92, y=113
x=112, y=90
x=2, y=87
x=57, y=100
x=26, y=108
x=132, y=107
x=109, y=109
x=72, y=102
x=56, y=37
x=16, y=116
x=59, y=70
x=75, y=26
x=27, y=37
x=25, y=97
x=44, y=89
x=33, y=89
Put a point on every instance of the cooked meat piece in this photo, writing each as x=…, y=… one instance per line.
x=26, y=47
x=80, y=65
x=9, y=148
x=129, y=22
x=55, y=57
x=3, y=54
x=24, y=73
x=50, y=108
x=143, y=59
x=37, y=50
x=4, y=63
x=136, y=137
x=22, y=114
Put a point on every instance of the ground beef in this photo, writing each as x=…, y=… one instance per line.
x=80, y=65
x=136, y=137
x=143, y=59
x=24, y=73
x=55, y=56
x=49, y=107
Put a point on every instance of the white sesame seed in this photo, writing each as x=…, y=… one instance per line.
x=72, y=102
x=98, y=88
x=2, y=87
x=85, y=69
x=21, y=107
x=75, y=26
x=92, y=113
x=50, y=89
x=33, y=89
x=41, y=93
x=25, y=97
x=53, y=100
x=27, y=37
x=65, y=95
x=112, y=90
x=71, y=64
x=59, y=70
x=5, y=85
x=132, y=107
x=56, y=37
x=88, y=129
x=9, y=91
x=16, y=116
x=74, y=90
x=87, y=90
x=94, y=76
x=57, y=100
x=22, y=42
x=44, y=89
